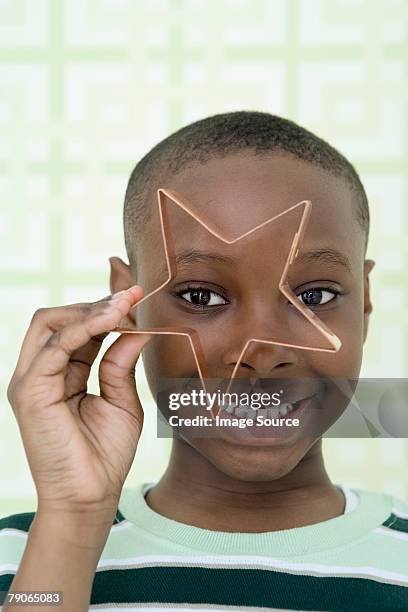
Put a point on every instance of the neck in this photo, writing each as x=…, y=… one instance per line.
x=194, y=492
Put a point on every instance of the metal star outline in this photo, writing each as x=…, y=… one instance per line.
x=191, y=334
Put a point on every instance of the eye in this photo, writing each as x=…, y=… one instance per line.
x=201, y=297
x=317, y=296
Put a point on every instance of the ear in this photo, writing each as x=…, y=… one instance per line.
x=368, y=307
x=121, y=277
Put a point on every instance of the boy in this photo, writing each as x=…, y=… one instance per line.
x=234, y=523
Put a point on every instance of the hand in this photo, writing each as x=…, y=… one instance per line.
x=79, y=446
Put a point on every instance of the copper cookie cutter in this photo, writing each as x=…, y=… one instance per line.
x=191, y=334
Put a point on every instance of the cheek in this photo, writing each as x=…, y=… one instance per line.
x=170, y=356
x=346, y=363
x=348, y=325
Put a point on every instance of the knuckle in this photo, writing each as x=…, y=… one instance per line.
x=86, y=309
x=15, y=393
x=110, y=365
x=10, y=391
x=39, y=315
x=115, y=376
x=101, y=307
x=110, y=382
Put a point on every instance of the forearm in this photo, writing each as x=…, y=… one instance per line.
x=61, y=554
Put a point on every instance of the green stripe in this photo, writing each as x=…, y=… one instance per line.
x=20, y=521
x=118, y=518
x=23, y=520
x=242, y=588
x=397, y=523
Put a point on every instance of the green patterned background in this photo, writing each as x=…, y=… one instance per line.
x=88, y=86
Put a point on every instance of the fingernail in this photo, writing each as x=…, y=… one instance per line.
x=135, y=287
x=120, y=294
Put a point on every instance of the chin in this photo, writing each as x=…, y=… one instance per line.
x=255, y=464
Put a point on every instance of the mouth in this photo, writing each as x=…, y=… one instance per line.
x=277, y=422
x=272, y=412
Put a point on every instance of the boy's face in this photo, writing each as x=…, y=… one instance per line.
x=235, y=296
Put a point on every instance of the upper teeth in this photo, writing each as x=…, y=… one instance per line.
x=285, y=408
x=249, y=412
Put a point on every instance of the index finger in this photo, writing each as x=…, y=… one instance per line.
x=48, y=321
x=58, y=350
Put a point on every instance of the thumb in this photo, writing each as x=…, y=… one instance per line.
x=117, y=371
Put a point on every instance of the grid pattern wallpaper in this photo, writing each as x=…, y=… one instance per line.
x=88, y=86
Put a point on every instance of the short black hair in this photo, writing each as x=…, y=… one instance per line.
x=221, y=135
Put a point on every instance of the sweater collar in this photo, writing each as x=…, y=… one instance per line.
x=370, y=510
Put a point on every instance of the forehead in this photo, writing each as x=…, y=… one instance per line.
x=237, y=192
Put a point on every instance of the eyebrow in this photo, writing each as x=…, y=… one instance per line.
x=330, y=257
x=191, y=256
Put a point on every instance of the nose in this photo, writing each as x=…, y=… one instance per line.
x=257, y=337
x=261, y=359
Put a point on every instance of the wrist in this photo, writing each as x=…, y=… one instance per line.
x=74, y=529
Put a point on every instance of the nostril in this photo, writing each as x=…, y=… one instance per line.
x=245, y=365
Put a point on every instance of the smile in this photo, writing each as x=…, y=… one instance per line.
x=235, y=410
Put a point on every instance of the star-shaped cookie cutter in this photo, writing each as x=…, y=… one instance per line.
x=171, y=264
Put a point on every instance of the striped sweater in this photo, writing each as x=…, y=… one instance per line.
x=356, y=561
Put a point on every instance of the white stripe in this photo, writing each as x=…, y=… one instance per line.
x=197, y=607
x=166, y=606
x=10, y=531
x=263, y=562
x=20, y=533
x=399, y=513
x=121, y=526
x=392, y=533
x=8, y=568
